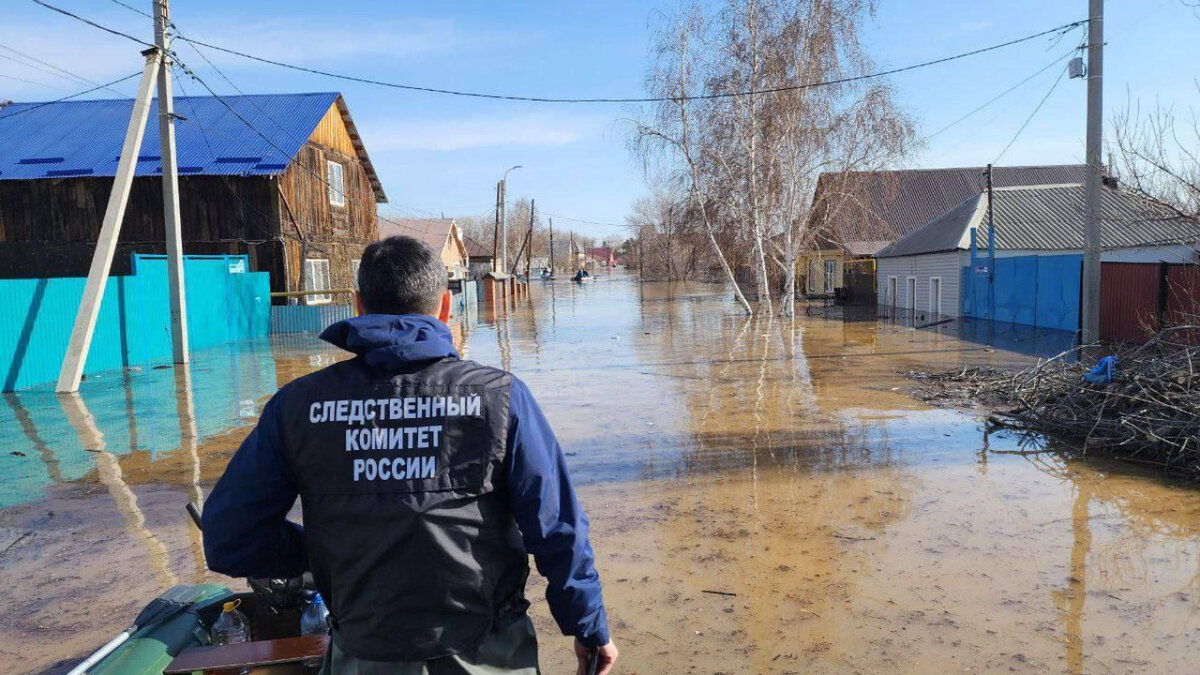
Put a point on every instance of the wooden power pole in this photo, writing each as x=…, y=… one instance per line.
x=157, y=70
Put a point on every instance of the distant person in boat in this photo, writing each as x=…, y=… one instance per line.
x=579, y=276
x=426, y=481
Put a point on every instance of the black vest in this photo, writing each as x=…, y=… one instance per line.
x=402, y=481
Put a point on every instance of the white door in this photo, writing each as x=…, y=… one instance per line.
x=935, y=296
x=891, y=296
x=910, y=299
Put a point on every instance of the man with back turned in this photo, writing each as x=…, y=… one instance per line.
x=425, y=482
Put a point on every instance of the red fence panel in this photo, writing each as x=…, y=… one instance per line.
x=1183, y=294
x=1128, y=300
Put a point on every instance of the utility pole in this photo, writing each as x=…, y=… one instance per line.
x=529, y=242
x=503, y=224
x=170, y=187
x=1090, y=312
x=991, y=251
x=497, y=263
x=503, y=209
x=157, y=71
x=551, y=247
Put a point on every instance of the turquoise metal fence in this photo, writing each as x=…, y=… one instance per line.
x=225, y=304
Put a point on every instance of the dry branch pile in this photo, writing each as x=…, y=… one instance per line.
x=1149, y=412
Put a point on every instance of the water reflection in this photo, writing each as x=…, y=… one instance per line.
x=777, y=460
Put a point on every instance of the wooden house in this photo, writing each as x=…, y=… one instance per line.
x=282, y=178
x=441, y=234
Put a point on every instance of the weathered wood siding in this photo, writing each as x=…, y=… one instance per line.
x=49, y=227
x=312, y=226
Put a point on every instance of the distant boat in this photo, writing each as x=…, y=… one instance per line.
x=547, y=274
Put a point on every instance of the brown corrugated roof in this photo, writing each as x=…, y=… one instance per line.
x=883, y=206
x=432, y=231
x=476, y=248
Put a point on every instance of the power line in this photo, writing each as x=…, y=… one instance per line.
x=1001, y=95
x=131, y=8
x=652, y=99
x=1031, y=116
x=33, y=82
x=67, y=98
x=93, y=24
x=53, y=69
x=580, y=220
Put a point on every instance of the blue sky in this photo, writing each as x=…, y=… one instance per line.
x=441, y=154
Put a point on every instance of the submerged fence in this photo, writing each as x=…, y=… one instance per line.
x=1033, y=290
x=225, y=303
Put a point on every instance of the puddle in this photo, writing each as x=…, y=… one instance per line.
x=764, y=497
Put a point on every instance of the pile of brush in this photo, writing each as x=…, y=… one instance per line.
x=1145, y=407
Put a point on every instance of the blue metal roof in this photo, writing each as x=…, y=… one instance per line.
x=84, y=138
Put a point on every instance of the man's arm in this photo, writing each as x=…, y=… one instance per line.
x=246, y=531
x=553, y=525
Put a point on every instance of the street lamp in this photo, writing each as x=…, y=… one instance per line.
x=502, y=205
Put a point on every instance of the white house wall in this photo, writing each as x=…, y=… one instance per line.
x=945, y=266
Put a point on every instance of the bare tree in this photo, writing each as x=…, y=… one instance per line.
x=670, y=133
x=781, y=101
x=1157, y=154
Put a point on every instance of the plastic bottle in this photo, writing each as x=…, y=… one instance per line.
x=315, y=620
x=231, y=627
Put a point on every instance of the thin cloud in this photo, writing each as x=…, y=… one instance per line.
x=462, y=134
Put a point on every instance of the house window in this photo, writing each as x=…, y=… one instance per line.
x=830, y=273
x=316, y=278
x=337, y=191
x=354, y=265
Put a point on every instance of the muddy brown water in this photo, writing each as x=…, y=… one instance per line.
x=764, y=498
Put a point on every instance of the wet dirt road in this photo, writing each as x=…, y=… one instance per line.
x=764, y=498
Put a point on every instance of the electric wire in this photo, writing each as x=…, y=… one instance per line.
x=131, y=8
x=93, y=24
x=33, y=82
x=637, y=99
x=1031, y=116
x=1059, y=30
x=999, y=96
x=53, y=69
x=67, y=98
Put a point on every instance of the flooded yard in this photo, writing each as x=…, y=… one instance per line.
x=764, y=496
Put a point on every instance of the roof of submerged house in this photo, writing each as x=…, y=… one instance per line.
x=1048, y=217
x=883, y=206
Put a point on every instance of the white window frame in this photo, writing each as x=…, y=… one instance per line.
x=316, y=278
x=335, y=173
x=354, y=265
x=935, y=308
x=910, y=289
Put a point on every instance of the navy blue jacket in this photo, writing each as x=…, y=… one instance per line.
x=247, y=534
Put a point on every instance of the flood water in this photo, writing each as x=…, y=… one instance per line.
x=764, y=497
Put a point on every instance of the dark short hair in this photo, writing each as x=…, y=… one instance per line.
x=401, y=275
